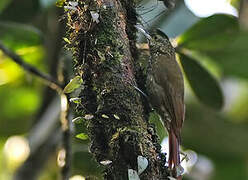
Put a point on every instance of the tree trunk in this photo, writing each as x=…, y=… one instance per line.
x=105, y=53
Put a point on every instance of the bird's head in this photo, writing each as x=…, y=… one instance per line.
x=159, y=42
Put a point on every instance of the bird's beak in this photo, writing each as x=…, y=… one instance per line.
x=147, y=35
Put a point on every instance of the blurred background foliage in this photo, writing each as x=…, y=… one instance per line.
x=213, y=53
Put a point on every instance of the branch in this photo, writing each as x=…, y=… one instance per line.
x=32, y=167
x=66, y=128
x=243, y=14
x=29, y=68
x=43, y=139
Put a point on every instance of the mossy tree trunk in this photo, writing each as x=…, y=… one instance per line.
x=105, y=53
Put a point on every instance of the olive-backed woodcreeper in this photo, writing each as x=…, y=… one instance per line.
x=165, y=86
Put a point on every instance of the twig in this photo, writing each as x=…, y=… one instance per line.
x=65, y=123
x=66, y=128
x=31, y=69
x=243, y=14
x=32, y=167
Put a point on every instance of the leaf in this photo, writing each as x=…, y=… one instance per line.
x=105, y=116
x=133, y=175
x=154, y=118
x=116, y=117
x=75, y=100
x=106, y=162
x=67, y=40
x=142, y=164
x=73, y=84
x=77, y=120
x=82, y=136
x=88, y=116
x=210, y=33
x=219, y=38
x=60, y=3
x=4, y=4
x=16, y=35
x=235, y=3
x=203, y=84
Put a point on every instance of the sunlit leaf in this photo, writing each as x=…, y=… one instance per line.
x=106, y=162
x=10, y=71
x=75, y=100
x=235, y=3
x=67, y=40
x=88, y=116
x=219, y=38
x=60, y=3
x=19, y=103
x=105, y=116
x=203, y=84
x=73, y=84
x=82, y=136
x=116, y=116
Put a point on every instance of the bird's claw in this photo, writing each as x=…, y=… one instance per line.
x=179, y=170
x=185, y=157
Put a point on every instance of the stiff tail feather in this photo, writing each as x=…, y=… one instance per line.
x=174, y=156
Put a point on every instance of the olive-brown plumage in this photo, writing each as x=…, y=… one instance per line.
x=165, y=87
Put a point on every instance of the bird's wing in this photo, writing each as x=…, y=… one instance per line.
x=170, y=78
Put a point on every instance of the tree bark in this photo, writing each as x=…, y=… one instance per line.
x=105, y=53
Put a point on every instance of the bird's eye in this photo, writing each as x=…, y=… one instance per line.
x=156, y=37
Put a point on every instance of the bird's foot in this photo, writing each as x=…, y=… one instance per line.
x=179, y=170
x=185, y=157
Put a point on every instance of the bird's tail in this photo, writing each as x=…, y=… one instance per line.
x=174, y=156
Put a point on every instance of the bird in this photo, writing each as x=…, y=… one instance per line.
x=165, y=89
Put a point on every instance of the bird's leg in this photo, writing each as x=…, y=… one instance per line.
x=179, y=170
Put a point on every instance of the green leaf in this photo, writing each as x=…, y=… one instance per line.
x=75, y=100
x=235, y=3
x=77, y=120
x=60, y=3
x=211, y=33
x=4, y=4
x=203, y=84
x=82, y=136
x=160, y=129
x=47, y=3
x=73, y=84
x=219, y=38
x=66, y=40
x=16, y=35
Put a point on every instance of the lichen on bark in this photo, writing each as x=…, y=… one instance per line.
x=104, y=54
